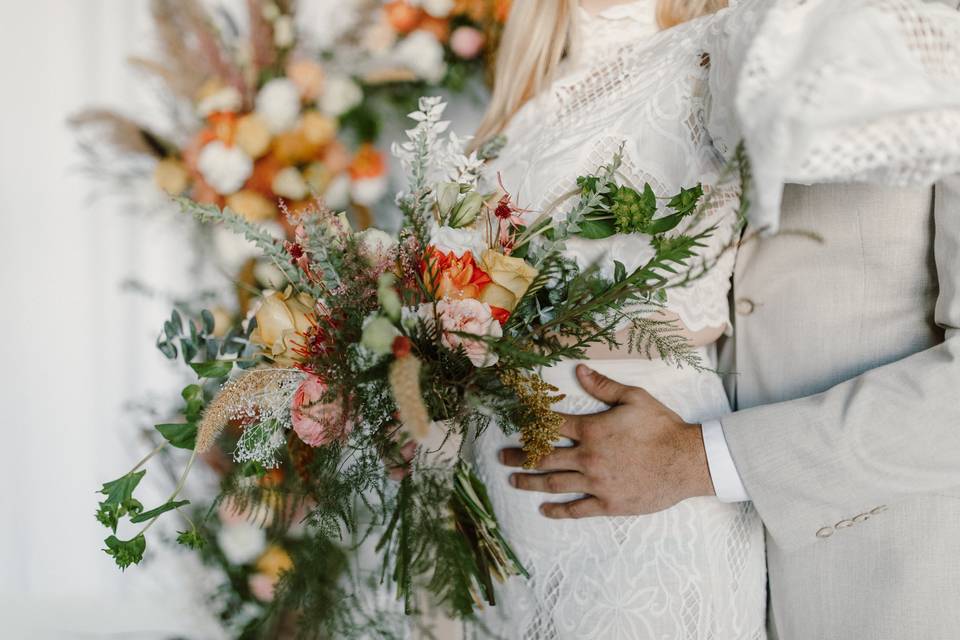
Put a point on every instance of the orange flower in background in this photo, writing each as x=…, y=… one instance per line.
x=264, y=171
x=501, y=9
x=223, y=125
x=367, y=163
x=402, y=16
x=336, y=157
x=447, y=276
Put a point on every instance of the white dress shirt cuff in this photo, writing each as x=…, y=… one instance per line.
x=726, y=480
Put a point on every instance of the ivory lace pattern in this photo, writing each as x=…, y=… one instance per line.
x=695, y=571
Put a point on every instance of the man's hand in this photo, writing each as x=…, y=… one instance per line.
x=636, y=458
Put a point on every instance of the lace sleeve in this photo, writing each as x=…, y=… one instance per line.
x=826, y=91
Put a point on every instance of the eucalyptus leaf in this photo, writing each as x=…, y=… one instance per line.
x=208, y=321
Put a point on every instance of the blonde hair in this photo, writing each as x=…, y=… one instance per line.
x=537, y=36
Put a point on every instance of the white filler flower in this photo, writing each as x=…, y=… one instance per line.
x=242, y=542
x=423, y=55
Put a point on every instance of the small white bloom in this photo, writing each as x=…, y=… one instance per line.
x=340, y=94
x=422, y=53
x=289, y=183
x=376, y=243
x=284, y=32
x=459, y=241
x=337, y=194
x=378, y=38
x=225, y=99
x=242, y=542
x=278, y=103
x=224, y=168
x=368, y=191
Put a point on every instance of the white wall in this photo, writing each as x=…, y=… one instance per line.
x=74, y=348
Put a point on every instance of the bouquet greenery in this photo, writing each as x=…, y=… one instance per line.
x=384, y=354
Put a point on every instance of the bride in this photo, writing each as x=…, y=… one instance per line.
x=575, y=81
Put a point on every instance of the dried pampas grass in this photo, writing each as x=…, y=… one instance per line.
x=405, y=383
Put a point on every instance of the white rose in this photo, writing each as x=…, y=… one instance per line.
x=242, y=542
x=224, y=168
x=278, y=103
x=458, y=241
x=368, y=191
x=340, y=94
x=423, y=55
x=289, y=183
x=376, y=243
x=226, y=99
x=337, y=194
x=284, y=32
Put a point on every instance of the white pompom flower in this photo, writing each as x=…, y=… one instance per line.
x=340, y=94
x=278, y=103
x=224, y=168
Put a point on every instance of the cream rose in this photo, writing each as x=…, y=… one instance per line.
x=281, y=319
x=511, y=278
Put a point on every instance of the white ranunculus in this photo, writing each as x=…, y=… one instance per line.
x=340, y=94
x=422, y=53
x=225, y=99
x=284, y=32
x=278, y=103
x=368, y=191
x=224, y=168
x=337, y=194
x=438, y=8
x=289, y=183
x=459, y=241
x=242, y=542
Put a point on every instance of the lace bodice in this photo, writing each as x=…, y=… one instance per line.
x=627, y=85
x=696, y=570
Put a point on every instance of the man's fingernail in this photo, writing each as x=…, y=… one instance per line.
x=584, y=370
x=513, y=479
x=502, y=456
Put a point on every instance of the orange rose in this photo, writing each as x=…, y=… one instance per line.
x=447, y=276
x=367, y=163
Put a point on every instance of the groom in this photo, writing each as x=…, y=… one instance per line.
x=847, y=433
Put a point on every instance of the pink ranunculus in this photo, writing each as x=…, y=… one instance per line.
x=467, y=42
x=466, y=316
x=315, y=422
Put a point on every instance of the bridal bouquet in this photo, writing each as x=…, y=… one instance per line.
x=385, y=353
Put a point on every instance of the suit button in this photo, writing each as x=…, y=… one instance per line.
x=826, y=532
x=879, y=509
x=745, y=306
x=843, y=524
x=863, y=517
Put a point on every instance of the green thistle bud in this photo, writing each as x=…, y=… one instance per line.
x=467, y=211
x=632, y=211
x=378, y=335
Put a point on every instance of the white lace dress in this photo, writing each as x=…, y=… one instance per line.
x=695, y=571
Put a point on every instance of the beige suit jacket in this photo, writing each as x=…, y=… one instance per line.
x=847, y=429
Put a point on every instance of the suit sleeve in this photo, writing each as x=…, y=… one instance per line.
x=886, y=436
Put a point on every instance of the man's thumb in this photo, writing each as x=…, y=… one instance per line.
x=600, y=386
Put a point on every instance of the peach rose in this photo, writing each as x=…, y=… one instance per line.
x=447, y=276
x=465, y=316
x=282, y=319
x=510, y=279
